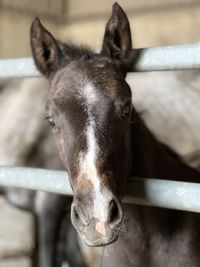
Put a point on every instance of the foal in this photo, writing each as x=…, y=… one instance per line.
x=102, y=141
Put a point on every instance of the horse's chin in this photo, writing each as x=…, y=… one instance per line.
x=98, y=241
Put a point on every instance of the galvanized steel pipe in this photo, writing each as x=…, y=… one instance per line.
x=175, y=57
x=18, y=68
x=151, y=192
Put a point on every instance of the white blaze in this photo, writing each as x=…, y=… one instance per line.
x=88, y=160
x=88, y=165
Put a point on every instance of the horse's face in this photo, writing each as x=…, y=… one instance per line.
x=89, y=108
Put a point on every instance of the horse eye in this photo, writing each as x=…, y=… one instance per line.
x=50, y=121
x=126, y=110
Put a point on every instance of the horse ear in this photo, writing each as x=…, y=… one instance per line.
x=117, y=43
x=45, y=49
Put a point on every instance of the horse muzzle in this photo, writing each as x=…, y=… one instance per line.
x=99, y=225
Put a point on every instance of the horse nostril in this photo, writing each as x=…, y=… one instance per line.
x=76, y=216
x=115, y=214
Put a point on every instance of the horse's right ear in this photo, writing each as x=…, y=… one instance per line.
x=45, y=49
x=117, y=43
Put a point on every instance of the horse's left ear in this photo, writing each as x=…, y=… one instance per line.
x=117, y=43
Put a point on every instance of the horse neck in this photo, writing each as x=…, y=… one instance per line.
x=154, y=160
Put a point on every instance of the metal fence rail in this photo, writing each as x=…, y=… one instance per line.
x=152, y=192
x=148, y=59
